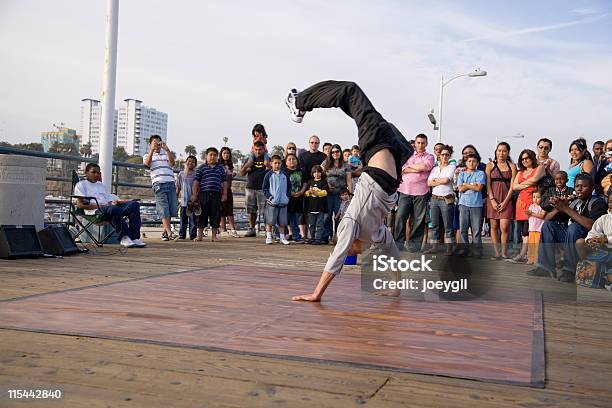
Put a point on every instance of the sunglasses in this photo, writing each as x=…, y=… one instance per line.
x=291, y=148
x=525, y=158
x=336, y=151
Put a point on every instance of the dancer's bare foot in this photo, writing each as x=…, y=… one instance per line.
x=388, y=292
x=214, y=238
x=311, y=297
x=198, y=239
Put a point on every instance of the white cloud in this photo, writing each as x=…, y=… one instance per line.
x=539, y=29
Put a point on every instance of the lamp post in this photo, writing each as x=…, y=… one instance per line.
x=476, y=73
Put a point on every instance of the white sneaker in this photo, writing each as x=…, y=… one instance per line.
x=234, y=234
x=269, y=241
x=296, y=114
x=139, y=243
x=284, y=241
x=126, y=242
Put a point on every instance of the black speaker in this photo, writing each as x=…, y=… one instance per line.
x=19, y=241
x=56, y=240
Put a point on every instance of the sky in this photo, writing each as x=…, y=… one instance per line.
x=217, y=68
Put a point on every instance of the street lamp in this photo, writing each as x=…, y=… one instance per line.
x=476, y=73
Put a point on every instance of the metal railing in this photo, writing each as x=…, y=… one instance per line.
x=115, y=183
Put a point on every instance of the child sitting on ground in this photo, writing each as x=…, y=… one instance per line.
x=316, y=204
x=536, y=219
x=277, y=189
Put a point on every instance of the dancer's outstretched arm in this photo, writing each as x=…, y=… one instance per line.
x=315, y=296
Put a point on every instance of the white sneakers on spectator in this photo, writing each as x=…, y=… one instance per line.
x=139, y=243
x=269, y=241
x=296, y=115
x=284, y=241
x=126, y=242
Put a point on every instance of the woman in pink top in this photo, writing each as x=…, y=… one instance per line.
x=525, y=182
x=500, y=175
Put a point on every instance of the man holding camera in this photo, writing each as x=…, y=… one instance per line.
x=160, y=160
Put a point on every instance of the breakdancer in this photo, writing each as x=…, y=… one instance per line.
x=384, y=150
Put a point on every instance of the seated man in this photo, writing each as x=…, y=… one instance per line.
x=566, y=224
x=111, y=207
x=383, y=150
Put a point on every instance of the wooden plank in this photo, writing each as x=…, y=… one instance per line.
x=20, y=348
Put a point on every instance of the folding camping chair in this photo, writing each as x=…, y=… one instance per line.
x=79, y=218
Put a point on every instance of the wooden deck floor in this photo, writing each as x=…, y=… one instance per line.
x=98, y=372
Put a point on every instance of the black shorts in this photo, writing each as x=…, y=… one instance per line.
x=210, y=202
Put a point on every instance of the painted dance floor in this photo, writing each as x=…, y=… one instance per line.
x=249, y=310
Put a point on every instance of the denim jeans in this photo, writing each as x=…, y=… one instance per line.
x=555, y=233
x=441, y=211
x=333, y=206
x=294, y=221
x=166, y=201
x=316, y=224
x=187, y=221
x=407, y=204
x=115, y=213
x=471, y=217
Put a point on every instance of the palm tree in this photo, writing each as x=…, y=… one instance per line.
x=85, y=150
x=279, y=150
x=190, y=150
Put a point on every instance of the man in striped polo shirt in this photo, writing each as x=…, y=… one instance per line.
x=209, y=190
x=160, y=160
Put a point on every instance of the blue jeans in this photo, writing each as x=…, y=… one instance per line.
x=166, y=201
x=441, y=211
x=406, y=205
x=187, y=221
x=115, y=213
x=471, y=217
x=333, y=206
x=555, y=233
x=294, y=221
x=316, y=223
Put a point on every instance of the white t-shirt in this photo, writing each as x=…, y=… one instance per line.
x=88, y=189
x=436, y=173
x=161, y=170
